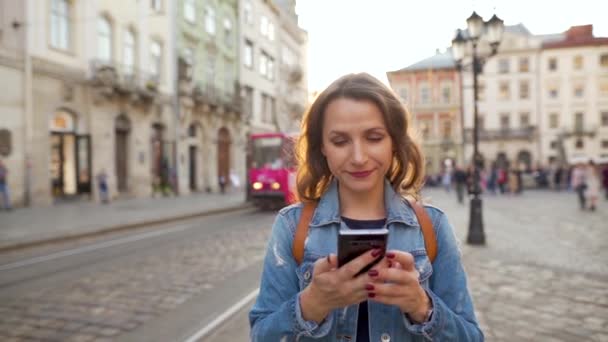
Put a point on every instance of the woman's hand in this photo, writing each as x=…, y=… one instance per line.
x=395, y=281
x=332, y=287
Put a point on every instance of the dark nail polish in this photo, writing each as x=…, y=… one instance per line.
x=371, y=295
x=369, y=287
x=390, y=255
x=376, y=252
x=373, y=273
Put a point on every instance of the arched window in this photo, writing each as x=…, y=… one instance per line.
x=129, y=51
x=104, y=39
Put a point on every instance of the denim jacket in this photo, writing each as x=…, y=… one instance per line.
x=276, y=315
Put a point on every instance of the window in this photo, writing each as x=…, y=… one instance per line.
x=248, y=54
x=604, y=88
x=553, y=64
x=403, y=94
x=60, y=24
x=524, y=90
x=604, y=60
x=447, y=129
x=190, y=11
x=553, y=145
x=553, y=120
x=446, y=94
x=188, y=55
x=156, y=5
x=128, y=57
x=271, y=68
x=104, y=39
x=425, y=95
x=604, y=143
x=553, y=93
x=504, y=121
x=264, y=26
x=524, y=64
x=579, y=122
x=578, y=62
x=210, y=20
x=263, y=64
x=578, y=91
x=287, y=57
x=156, y=55
x=524, y=120
x=503, y=66
x=228, y=31
x=604, y=118
x=425, y=128
x=579, y=143
x=271, y=31
x=248, y=13
x=211, y=70
x=503, y=91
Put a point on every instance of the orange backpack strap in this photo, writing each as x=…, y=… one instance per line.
x=430, y=241
x=302, y=231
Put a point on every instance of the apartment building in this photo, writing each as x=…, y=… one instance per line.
x=212, y=137
x=574, y=97
x=91, y=87
x=430, y=90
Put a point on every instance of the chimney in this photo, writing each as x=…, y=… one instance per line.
x=579, y=32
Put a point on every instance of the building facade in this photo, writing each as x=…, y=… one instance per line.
x=574, y=97
x=430, y=90
x=92, y=89
x=211, y=130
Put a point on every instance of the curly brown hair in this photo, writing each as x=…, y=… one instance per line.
x=406, y=173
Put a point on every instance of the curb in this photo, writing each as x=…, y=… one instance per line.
x=123, y=227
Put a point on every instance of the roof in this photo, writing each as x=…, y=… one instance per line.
x=576, y=36
x=440, y=60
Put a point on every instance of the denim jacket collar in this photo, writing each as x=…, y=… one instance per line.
x=328, y=209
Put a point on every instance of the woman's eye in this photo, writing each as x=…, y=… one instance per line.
x=376, y=138
x=339, y=142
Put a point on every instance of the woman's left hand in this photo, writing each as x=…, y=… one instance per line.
x=395, y=282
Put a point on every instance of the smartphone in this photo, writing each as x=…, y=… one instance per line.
x=354, y=242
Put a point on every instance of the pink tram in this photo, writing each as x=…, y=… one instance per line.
x=271, y=171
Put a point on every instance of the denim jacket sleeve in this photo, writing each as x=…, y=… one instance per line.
x=453, y=317
x=276, y=313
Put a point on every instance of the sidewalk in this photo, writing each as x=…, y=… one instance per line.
x=31, y=226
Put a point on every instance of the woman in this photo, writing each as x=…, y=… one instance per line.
x=357, y=159
x=592, y=191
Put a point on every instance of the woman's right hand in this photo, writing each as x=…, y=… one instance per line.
x=332, y=287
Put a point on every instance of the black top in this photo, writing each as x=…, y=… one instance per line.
x=362, y=320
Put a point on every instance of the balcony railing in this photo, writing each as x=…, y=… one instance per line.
x=524, y=133
x=121, y=78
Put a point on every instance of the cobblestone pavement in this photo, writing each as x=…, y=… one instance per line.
x=543, y=275
x=118, y=295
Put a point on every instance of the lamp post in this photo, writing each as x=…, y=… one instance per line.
x=493, y=33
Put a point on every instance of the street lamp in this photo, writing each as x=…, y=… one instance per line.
x=493, y=30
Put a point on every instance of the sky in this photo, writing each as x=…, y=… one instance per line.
x=377, y=36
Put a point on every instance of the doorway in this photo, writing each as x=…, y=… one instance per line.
x=193, y=151
x=122, y=130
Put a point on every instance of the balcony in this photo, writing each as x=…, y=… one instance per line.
x=113, y=79
x=525, y=133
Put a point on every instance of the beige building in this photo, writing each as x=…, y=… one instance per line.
x=574, y=97
x=430, y=90
x=88, y=87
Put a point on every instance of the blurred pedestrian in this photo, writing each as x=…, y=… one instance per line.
x=360, y=161
x=460, y=180
x=446, y=180
x=502, y=179
x=592, y=192
x=4, y=189
x=557, y=178
x=102, y=183
x=222, y=183
x=578, y=183
x=492, y=179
